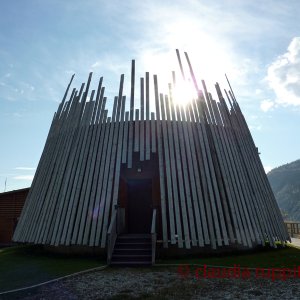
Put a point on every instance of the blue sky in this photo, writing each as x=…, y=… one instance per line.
x=42, y=43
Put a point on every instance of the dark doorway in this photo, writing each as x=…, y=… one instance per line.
x=139, y=213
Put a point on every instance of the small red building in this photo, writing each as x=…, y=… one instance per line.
x=11, y=204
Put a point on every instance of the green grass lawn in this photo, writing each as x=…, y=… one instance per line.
x=23, y=266
x=28, y=265
x=288, y=257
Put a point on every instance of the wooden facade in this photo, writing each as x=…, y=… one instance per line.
x=293, y=228
x=11, y=204
x=196, y=164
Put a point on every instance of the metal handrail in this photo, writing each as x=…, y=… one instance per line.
x=111, y=236
x=153, y=235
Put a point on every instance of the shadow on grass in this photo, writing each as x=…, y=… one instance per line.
x=264, y=257
x=23, y=266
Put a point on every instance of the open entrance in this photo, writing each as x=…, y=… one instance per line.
x=139, y=209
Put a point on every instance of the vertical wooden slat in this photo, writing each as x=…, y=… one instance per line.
x=97, y=186
x=90, y=118
x=193, y=178
x=61, y=162
x=179, y=171
x=83, y=177
x=193, y=138
x=249, y=160
x=210, y=176
x=222, y=174
x=119, y=155
x=153, y=133
x=90, y=194
x=136, y=131
x=131, y=112
x=125, y=139
x=147, y=118
x=233, y=166
x=188, y=217
x=107, y=192
x=66, y=177
x=168, y=170
x=73, y=221
x=130, y=145
x=174, y=172
x=85, y=214
x=103, y=181
x=142, y=118
x=245, y=179
x=161, y=165
x=232, y=186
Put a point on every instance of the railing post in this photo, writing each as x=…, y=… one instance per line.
x=111, y=236
x=153, y=236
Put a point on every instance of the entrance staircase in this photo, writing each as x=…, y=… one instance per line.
x=132, y=250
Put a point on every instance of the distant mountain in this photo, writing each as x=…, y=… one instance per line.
x=285, y=182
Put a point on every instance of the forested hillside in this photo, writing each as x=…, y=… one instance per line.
x=285, y=182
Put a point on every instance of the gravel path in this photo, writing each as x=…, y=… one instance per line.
x=160, y=283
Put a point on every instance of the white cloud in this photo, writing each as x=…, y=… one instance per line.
x=266, y=105
x=97, y=64
x=24, y=177
x=24, y=168
x=255, y=127
x=268, y=168
x=284, y=75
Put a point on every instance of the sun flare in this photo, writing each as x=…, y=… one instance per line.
x=184, y=92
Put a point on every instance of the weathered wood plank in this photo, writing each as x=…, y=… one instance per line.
x=153, y=133
x=51, y=200
x=194, y=178
x=176, y=130
x=130, y=145
x=188, y=199
x=173, y=178
x=147, y=118
x=102, y=182
x=161, y=164
x=131, y=113
x=136, y=131
x=90, y=194
x=125, y=139
x=197, y=169
x=165, y=147
x=70, y=238
x=85, y=215
x=110, y=177
x=119, y=155
x=142, y=131
x=209, y=197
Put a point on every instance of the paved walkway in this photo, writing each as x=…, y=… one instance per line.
x=296, y=242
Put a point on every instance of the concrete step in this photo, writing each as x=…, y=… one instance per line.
x=127, y=257
x=130, y=263
x=132, y=245
x=132, y=250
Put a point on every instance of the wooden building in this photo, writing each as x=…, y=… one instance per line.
x=11, y=204
x=293, y=228
x=184, y=176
